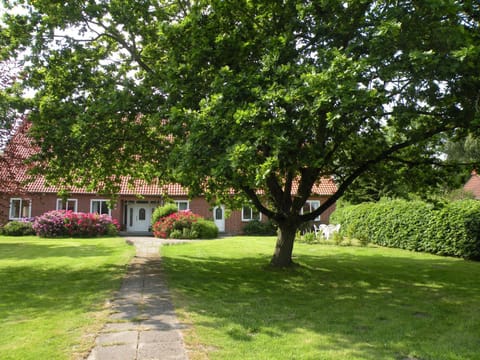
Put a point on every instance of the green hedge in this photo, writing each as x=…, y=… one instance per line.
x=256, y=227
x=17, y=228
x=206, y=229
x=453, y=230
x=162, y=211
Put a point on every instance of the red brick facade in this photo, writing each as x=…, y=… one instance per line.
x=41, y=203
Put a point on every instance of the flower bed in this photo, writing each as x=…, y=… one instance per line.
x=60, y=223
x=184, y=225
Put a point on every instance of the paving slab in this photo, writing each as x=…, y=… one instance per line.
x=117, y=352
x=119, y=337
x=142, y=324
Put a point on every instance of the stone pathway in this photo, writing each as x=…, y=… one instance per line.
x=143, y=324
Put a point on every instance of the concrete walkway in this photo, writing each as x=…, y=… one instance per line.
x=143, y=324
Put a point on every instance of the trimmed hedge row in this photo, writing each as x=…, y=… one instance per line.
x=453, y=230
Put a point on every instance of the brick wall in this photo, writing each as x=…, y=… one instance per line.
x=4, y=207
x=42, y=203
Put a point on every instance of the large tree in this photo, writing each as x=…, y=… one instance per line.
x=262, y=97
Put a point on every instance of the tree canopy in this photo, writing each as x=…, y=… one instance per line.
x=8, y=94
x=465, y=150
x=253, y=96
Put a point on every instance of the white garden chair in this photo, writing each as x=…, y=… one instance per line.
x=326, y=230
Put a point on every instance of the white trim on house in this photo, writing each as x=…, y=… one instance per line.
x=18, y=212
x=139, y=216
x=182, y=205
x=219, y=217
x=68, y=205
x=311, y=205
x=100, y=208
x=136, y=220
x=249, y=213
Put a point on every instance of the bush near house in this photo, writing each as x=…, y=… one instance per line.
x=184, y=225
x=256, y=227
x=453, y=230
x=206, y=229
x=163, y=211
x=17, y=228
x=60, y=223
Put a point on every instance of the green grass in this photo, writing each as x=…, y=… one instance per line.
x=53, y=293
x=341, y=303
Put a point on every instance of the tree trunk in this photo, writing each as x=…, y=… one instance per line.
x=282, y=257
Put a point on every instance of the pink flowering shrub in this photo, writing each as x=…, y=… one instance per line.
x=178, y=225
x=50, y=224
x=185, y=225
x=59, y=223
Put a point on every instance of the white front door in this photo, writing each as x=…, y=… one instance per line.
x=219, y=217
x=139, y=217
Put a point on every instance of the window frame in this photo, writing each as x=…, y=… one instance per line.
x=310, y=202
x=60, y=202
x=251, y=216
x=178, y=202
x=21, y=207
x=100, y=200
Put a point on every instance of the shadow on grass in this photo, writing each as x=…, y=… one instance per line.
x=378, y=306
x=30, y=291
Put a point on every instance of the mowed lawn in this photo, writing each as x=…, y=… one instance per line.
x=53, y=293
x=341, y=303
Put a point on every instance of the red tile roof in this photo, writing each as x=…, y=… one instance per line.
x=13, y=171
x=473, y=185
x=141, y=187
x=12, y=167
x=326, y=186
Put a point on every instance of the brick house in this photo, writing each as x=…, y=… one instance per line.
x=134, y=204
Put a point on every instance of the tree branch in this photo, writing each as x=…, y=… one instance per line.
x=116, y=36
x=364, y=167
x=252, y=195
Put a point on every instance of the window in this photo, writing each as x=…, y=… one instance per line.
x=182, y=205
x=20, y=209
x=311, y=205
x=70, y=204
x=218, y=213
x=142, y=215
x=99, y=206
x=249, y=214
